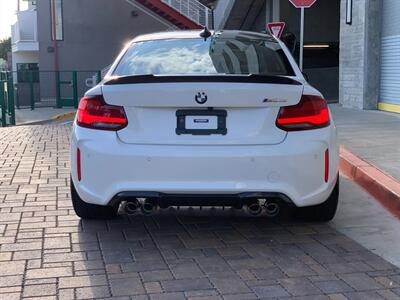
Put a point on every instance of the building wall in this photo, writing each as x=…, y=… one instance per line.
x=359, y=55
x=321, y=26
x=390, y=57
x=94, y=32
x=321, y=20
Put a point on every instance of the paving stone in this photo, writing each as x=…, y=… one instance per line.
x=295, y=268
x=371, y=295
x=360, y=281
x=6, y=281
x=388, y=294
x=246, y=296
x=57, y=242
x=271, y=291
x=156, y=275
x=168, y=296
x=186, y=270
x=92, y=292
x=12, y=268
x=299, y=286
x=39, y=290
x=229, y=285
x=201, y=293
x=205, y=298
x=333, y=286
x=22, y=246
x=144, y=266
x=249, y=263
x=181, y=285
x=338, y=297
x=49, y=272
x=153, y=287
x=126, y=287
x=10, y=296
x=213, y=264
x=82, y=281
x=269, y=273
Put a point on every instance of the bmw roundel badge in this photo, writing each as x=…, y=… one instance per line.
x=201, y=98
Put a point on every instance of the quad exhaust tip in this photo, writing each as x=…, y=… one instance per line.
x=254, y=209
x=148, y=207
x=132, y=207
x=272, y=209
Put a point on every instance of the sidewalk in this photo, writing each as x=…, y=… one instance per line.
x=40, y=114
x=374, y=136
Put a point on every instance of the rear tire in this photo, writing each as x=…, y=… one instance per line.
x=91, y=211
x=323, y=212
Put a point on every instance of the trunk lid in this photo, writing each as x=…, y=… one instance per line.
x=251, y=110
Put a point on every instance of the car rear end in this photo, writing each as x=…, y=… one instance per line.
x=204, y=119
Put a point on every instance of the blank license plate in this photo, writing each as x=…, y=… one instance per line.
x=201, y=122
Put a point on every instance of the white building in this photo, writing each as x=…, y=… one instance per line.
x=24, y=40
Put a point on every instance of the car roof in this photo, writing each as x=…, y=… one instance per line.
x=191, y=34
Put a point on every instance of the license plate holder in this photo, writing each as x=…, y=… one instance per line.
x=206, y=117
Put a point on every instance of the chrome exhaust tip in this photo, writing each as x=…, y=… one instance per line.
x=132, y=207
x=272, y=209
x=254, y=209
x=148, y=208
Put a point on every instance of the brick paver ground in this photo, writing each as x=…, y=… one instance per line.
x=46, y=252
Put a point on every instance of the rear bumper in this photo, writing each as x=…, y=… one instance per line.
x=295, y=168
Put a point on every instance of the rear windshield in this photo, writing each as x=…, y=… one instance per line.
x=241, y=55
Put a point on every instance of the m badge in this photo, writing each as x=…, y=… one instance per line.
x=201, y=98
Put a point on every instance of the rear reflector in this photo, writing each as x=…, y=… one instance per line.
x=310, y=113
x=326, y=165
x=78, y=164
x=95, y=113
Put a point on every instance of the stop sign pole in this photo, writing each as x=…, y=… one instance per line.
x=301, y=39
x=302, y=4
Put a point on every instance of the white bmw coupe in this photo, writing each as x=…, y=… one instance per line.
x=200, y=118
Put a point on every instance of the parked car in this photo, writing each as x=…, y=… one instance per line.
x=199, y=118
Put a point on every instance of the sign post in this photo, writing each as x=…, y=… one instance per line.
x=301, y=39
x=302, y=4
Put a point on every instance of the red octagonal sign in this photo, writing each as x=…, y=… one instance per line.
x=303, y=3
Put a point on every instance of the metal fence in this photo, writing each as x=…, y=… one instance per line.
x=194, y=10
x=30, y=89
x=6, y=100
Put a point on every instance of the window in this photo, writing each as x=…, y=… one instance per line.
x=27, y=71
x=56, y=9
x=223, y=53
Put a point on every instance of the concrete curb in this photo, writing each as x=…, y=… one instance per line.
x=383, y=187
x=64, y=116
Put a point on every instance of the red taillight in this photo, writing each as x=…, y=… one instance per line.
x=95, y=113
x=326, y=165
x=310, y=113
x=78, y=164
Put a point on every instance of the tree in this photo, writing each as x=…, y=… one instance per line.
x=5, y=47
x=3, y=65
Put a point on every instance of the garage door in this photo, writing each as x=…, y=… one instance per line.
x=390, y=57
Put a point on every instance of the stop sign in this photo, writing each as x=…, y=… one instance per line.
x=303, y=3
